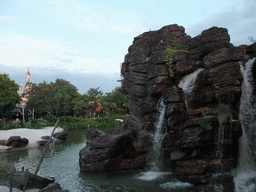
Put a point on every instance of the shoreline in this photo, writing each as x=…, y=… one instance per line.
x=33, y=135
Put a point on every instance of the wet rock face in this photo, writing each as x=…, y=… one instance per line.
x=190, y=142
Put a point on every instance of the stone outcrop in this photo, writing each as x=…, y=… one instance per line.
x=190, y=144
x=17, y=142
x=110, y=152
x=199, y=140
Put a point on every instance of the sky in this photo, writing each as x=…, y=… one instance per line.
x=85, y=41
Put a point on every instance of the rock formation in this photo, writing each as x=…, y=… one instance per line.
x=192, y=124
x=110, y=152
x=199, y=140
x=16, y=142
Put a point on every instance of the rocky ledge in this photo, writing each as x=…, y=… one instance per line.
x=111, y=152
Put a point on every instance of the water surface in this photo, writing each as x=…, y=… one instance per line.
x=64, y=166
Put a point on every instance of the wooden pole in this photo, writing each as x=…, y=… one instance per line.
x=45, y=149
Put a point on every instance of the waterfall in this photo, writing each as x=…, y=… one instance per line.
x=245, y=174
x=187, y=84
x=155, y=154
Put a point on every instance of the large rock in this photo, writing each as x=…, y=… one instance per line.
x=190, y=142
x=224, y=55
x=61, y=135
x=109, y=152
x=17, y=142
x=131, y=121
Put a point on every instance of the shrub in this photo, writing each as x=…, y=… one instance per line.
x=169, y=55
x=206, y=125
x=224, y=113
x=134, y=131
x=51, y=118
x=9, y=125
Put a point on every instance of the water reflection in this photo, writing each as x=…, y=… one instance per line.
x=64, y=166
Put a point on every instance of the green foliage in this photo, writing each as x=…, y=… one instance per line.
x=115, y=102
x=94, y=94
x=50, y=118
x=177, y=47
x=53, y=98
x=9, y=96
x=224, y=113
x=206, y=125
x=9, y=125
x=134, y=131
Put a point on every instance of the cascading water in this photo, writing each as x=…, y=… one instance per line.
x=245, y=174
x=187, y=84
x=155, y=155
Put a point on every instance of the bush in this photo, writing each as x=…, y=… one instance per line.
x=177, y=47
x=134, y=131
x=51, y=118
x=9, y=125
x=224, y=113
x=206, y=125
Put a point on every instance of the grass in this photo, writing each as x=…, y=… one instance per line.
x=68, y=123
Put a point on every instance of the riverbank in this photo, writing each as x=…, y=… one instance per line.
x=33, y=135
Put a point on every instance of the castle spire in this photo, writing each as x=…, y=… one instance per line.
x=28, y=75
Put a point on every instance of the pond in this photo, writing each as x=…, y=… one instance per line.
x=64, y=166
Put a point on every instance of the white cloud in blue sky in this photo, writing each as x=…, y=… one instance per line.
x=62, y=38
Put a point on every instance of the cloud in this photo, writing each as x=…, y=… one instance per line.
x=240, y=22
x=4, y=19
x=105, y=19
x=24, y=51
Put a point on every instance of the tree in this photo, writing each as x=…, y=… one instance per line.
x=80, y=104
x=94, y=94
x=53, y=98
x=9, y=96
x=115, y=99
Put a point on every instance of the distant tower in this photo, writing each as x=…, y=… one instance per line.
x=27, y=86
x=28, y=75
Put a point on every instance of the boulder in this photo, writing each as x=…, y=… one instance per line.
x=131, y=121
x=45, y=137
x=108, y=152
x=17, y=142
x=13, y=139
x=92, y=133
x=61, y=135
x=2, y=142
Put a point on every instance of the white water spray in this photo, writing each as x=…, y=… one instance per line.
x=187, y=83
x=155, y=155
x=245, y=174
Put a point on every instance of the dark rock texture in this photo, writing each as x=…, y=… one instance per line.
x=17, y=142
x=190, y=143
x=110, y=152
x=61, y=135
x=191, y=122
